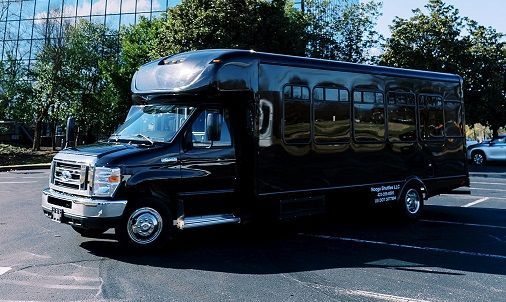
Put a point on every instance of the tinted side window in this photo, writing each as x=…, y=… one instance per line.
x=331, y=111
x=368, y=116
x=401, y=116
x=297, y=114
x=199, y=137
x=431, y=117
x=454, y=125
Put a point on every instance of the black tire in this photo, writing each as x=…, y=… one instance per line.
x=410, y=203
x=90, y=233
x=478, y=158
x=146, y=224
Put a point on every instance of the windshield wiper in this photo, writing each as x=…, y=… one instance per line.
x=145, y=138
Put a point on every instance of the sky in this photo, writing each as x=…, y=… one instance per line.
x=485, y=12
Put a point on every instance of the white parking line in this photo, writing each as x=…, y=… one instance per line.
x=4, y=269
x=380, y=296
x=413, y=247
x=467, y=205
x=487, y=189
x=488, y=183
x=491, y=197
x=465, y=223
x=18, y=182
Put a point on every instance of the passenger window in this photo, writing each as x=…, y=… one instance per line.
x=331, y=111
x=431, y=117
x=199, y=137
x=297, y=115
x=401, y=117
x=454, y=125
x=368, y=116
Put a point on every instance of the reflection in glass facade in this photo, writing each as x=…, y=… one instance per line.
x=301, y=4
x=21, y=21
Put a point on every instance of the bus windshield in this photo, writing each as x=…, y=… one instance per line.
x=153, y=123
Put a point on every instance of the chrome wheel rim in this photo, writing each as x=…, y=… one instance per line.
x=478, y=158
x=412, y=201
x=144, y=225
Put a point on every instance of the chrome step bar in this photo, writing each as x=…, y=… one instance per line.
x=203, y=221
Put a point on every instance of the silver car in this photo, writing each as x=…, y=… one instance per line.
x=494, y=150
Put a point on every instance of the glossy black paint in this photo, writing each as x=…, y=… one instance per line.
x=260, y=163
x=318, y=167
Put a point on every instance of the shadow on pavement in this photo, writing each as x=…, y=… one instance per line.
x=275, y=248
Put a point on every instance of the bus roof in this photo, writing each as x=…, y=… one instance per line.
x=188, y=70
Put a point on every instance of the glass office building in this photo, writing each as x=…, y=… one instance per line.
x=21, y=21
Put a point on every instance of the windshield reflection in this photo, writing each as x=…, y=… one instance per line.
x=153, y=123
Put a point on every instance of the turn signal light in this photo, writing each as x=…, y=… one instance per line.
x=114, y=178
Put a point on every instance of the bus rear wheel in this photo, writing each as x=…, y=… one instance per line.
x=411, y=203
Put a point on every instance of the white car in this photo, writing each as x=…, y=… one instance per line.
x=494, y=150
x=470, y=142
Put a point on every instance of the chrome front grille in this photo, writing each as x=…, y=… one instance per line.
x=70, y=175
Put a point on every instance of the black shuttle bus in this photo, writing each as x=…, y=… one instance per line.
x=224, y=136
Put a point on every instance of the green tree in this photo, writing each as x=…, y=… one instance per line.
x=71, y=78
x=50, y=77
x=91, y=51
x=485, y=74
x=342, y=31
x=443, y=40
x=138, y=44
x=431, y=41
x=16, y=91
x=272, y=26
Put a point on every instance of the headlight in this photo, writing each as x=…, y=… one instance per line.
x=106, y=181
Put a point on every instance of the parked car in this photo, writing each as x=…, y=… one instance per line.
x=494, y=150
x=470, y=142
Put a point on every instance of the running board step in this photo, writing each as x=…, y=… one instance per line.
x=203, y=221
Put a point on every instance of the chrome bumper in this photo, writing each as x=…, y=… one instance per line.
x=83, y=208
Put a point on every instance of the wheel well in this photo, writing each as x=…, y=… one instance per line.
x=417, y=183
x=477, y=151
x=143, y=190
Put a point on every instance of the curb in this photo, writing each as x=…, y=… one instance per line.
x=25, y=167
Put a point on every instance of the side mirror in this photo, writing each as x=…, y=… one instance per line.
x=69, y=133
x=213, y=126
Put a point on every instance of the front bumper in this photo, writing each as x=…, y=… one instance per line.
x=81, y=211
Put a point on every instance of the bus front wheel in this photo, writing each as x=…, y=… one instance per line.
x=147, y=224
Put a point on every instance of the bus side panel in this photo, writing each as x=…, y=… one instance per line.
x=285, y=167
x=289, y=167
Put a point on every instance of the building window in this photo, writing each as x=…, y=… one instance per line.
x=401, y=116
x=331, y=112
x=431, y=117
x=454, y=119
x=297, y=114
x=24, y=20
x=368, y=116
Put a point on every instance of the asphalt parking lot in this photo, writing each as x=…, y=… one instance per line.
x=457, y=252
